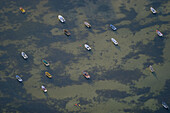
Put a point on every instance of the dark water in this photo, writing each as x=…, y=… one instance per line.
x=120, y=79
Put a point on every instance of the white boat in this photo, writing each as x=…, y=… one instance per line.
x=87, y=47
x=87, y=24
x=114, y=41
x=24, y=55
x=61, y=18
x=44, y=89
x=153, y=10
x=165, y=105
x=159, y=33
x=151, y=68
x=18, y=78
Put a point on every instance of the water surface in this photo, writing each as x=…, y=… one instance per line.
x=120, y=79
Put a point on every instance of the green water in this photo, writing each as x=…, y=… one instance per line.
x=120, y=78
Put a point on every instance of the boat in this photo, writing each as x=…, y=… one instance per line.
x=153, y=10
x=45, y=63
x=151, y=68
x=114, y=41
x=165, y=105
x=18, y=78
x=48, y=74
x=44, y=89
x=24, y=55
x=113, y=27
x=86, y=75
x=61, y=18
x=66, y=32
x=87, y=47
x=87, y=24
x=22, y=10
x=159, y=33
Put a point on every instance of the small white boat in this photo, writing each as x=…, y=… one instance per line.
x=18, y=78
x=87, y=47
x=44, y=89
x=153, y=10
x=24, y=55
x=165, y=105
x=151, y=68
x=114, y=41
x=87, y=24
x=61, y=18
x=159, y=33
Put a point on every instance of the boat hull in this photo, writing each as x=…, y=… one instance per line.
x=61, y=19
x=24, y=55
x=153, y=10
x=45, y=63
x=86, y=75
x=114, y=41
x=159, y=33
x=66, y=32
x=44, y=89
x=87, y=47
x=165, y=105
x=151, y=69
x=87, y=24
x=113, y=27
x=18, y=78
x=48, y=74
x=22, y=10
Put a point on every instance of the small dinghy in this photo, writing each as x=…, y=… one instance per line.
x=66, y=32
x=113, y=27
x=45, y=63
x=114, y=41
x=24, y=55
x=87, y=47
x=22, y=10
x=165, y=105
x=61, y=18
x=44, y=89
x=18, y=78
x=159, y=33
x=153, y=10
x=151, y=69
x=87, y=24
x=86, y=75
x=48, y=74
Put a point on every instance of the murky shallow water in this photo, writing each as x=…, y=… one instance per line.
x=120, y=79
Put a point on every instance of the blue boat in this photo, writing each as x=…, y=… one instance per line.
x=113, y=27
x=45, y=63
x=18, y=78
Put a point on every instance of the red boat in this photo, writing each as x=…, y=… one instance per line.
x=159, y=33
x=86, y=75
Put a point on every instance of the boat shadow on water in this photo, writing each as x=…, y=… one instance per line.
x=85, y=80
x=20, y=83
x=118, y=47
x=46, y=94
x=115, y=32
x=155, y=75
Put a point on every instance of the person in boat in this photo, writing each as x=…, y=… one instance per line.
x=78, y=105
